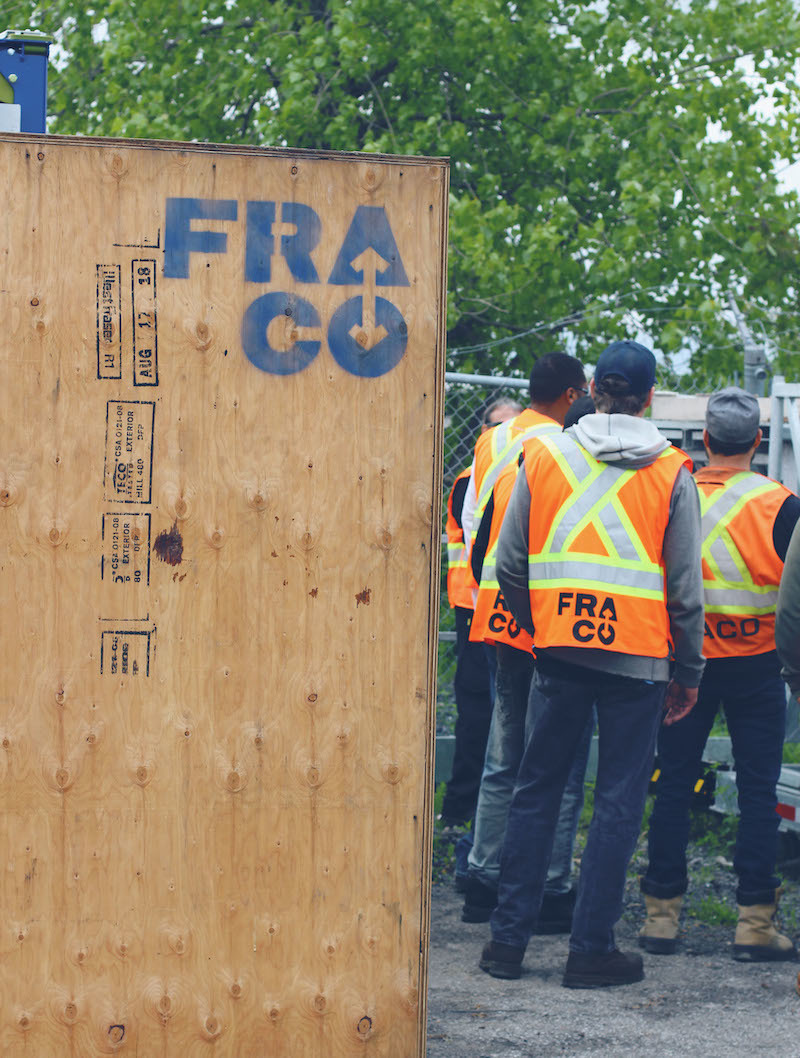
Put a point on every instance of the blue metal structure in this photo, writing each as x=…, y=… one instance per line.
x=23, y=77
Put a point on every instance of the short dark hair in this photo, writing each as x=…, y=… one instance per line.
x=729, y=448
x=612, y=396
x=552, y=375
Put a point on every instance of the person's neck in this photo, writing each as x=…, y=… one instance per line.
x=738, y=462
x=552, y=411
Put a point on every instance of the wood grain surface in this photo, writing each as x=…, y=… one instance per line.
x=220, y=600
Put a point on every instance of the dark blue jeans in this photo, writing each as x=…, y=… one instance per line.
x=474, y=694
x=628, y=716
x=754, y=700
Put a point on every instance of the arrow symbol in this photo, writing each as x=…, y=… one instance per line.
x=369, y=333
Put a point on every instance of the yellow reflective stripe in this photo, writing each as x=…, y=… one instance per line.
x=596, y=585
x=595, y=560
x=576, y=486
x=742, y=611
x=744, y=593
x=592, y=516
x=633, y=536
x=503, y=459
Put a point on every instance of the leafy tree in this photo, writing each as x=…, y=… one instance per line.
x=612, y=165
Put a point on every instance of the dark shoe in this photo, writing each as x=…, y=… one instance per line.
x=479, y=901
x=593, y=970
x=502, y=960
x=555, y=915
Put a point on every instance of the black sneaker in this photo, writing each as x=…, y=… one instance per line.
x=479, y=901
x=555, y=914
x=601, y=970
x=502, y=960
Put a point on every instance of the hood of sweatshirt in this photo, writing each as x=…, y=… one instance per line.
x=624, y=440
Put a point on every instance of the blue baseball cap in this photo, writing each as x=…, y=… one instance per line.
x=631, y=361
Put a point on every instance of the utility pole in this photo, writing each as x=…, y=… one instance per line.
x=755, y=354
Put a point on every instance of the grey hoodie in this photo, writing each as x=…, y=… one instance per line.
x=630, y=443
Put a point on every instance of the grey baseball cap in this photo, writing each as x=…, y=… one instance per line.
x=732, y=416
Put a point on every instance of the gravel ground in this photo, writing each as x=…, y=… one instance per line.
x=698, y=1003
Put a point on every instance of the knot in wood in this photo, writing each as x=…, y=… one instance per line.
x=320, y=1003
x=24, y=1021
x=364, y=1027
x=211, y=1026
x=6, y=497
x=55, y=536
x=234, y=781
x=217, y=538
x=165, y=1006
x=62, y=777
x=116, y=1033
x=385, y=540
x=236, y=990
x=142, y=775
x=35, y=302
x=274, y=1012
x=70, y=1012
x=203, y=335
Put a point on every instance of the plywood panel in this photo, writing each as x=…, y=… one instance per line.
x=221, y=394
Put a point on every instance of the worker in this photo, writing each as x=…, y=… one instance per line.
x=747, y=522
x=472, y=683
x=599, y=559
x=787, y=617
x=556, y=381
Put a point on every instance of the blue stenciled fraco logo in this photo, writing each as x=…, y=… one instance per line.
x=367, y=335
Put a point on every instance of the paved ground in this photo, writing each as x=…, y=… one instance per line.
x=698, y=1003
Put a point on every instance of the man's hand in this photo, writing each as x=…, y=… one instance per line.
x=679, y=702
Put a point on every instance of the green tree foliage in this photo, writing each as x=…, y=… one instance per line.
x=613, y=164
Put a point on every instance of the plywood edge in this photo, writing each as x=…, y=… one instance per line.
x=433, y=620
x=222, y=148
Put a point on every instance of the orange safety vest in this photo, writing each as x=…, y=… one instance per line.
x=500, y=446
x=493, y=622
x=595, y=563
x=741, y=571
x=459, y=576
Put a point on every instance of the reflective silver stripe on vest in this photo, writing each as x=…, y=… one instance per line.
x=504, y=458
x=737, y=596
x=718, y=600
x=589, y=499
x=543, y=570
x=499, y=440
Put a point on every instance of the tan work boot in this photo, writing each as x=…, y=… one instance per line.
x=757, y=939
x=659, y=934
